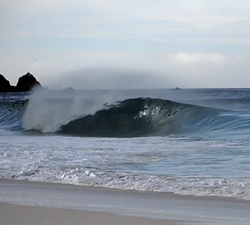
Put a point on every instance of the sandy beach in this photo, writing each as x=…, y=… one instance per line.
x=28, y=203
x=11, y=214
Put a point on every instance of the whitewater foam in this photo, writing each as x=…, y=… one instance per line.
x=87, y=114
x=83, y=113
x=193, y=150
x=156, y=164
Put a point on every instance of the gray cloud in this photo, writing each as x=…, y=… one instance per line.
x=122, y=44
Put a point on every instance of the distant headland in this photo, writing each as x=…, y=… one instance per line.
x=25, y=83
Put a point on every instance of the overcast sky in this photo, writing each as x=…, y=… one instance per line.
x=127, y=43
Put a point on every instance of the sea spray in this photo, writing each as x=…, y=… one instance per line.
x=194, y=150
x=81, y=113
x=48, y=110
x=108, y=114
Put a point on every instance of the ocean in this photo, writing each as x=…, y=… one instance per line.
x=186, y=142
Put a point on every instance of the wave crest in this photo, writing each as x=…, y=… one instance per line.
x=104, y=116
x=137, y=117
x=88, y=114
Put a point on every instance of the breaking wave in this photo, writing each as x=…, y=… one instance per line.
x=137, y=117
x=79, y=114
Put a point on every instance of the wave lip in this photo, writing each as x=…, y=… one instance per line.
x=80, y=114
x=133, y=118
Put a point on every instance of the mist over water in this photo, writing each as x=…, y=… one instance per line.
x=111, y=78
x=48, y=110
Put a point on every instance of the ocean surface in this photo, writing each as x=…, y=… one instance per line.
x=187, y=142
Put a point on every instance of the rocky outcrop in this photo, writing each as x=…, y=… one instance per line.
x=4, y=84
x=25, y=83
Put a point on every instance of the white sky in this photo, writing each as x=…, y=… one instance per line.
x=127, y=43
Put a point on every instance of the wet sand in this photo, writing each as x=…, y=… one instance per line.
x=35, y=215
x=34, y=203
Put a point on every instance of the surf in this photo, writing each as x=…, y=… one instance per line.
x=135, y=117
x=11, y=111
x=80, y=113
x=86, y=114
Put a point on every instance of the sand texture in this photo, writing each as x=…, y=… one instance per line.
x=32, y=203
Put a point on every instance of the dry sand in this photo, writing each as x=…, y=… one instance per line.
x=33, y=203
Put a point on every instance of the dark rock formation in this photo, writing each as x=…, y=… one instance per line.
x=25, y=83
x=4, y=84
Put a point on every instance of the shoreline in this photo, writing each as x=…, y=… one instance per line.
x=118, y=205
x=14, y=181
